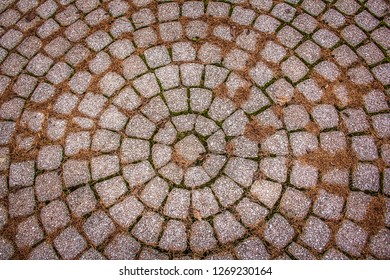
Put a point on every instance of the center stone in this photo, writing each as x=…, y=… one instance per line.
x=189, y=148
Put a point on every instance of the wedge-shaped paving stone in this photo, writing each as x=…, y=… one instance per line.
x=252, y=249
x=148, y=228
x=81, y=201
x=105, y=141
x=127, y=211
x=122, y=247
x=267, y=192
x=190, y=148
x=69, y=243
x=351, y=238
x=113, y=119
x=161, y=155
x=156, y=110
x=227, y=228
x=168, y=76
x=278, y=231
x=28, y=233
x=176, y=99
x=328, y=205
x=111, y=190
x=295, y=117
x=325, y=116
x=138, y=173
x=155, y=192
x=202, y=237
x=6, y=249
x=172, y=172
x=75, y=172
x=241, y=170
x=140, y=127
x=174, y=237
x=204, y=203
x=177, y=204
x=7, y=130
x=234, y=125
x=54, y=216
x=221, y=108
x=196, y=176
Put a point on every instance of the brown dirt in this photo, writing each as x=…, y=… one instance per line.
x=180, y=160
x=374, y=219
x=326, y=161
x=241, y=96
x=256, y=132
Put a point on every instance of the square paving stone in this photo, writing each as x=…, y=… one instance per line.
x=157, y=56
x=43, y=251
x=267, y=192
x=105, y=141
x=289, y=36
x=77, y=31
x=370, y=53
x=69, y=243
x=202, y=237
x=379, y=244
x=176, y=99
x=227, y=228
x=127, y=211
x=309, y=51
x=113, y=119
x=366, y=177
x=375, y=101
x=357, y=206
x=49, y=157
x=325, y=116
x=76, y=142
x=147, y=85
x=168, y=11
x=80, y=82
x=28, y=233
x=152, y=254
x=148, y=229
x=81, y=201
x=100, y=63
x=22, y=174
x=278, y=231
x=138, y=173
x=353, y=35
x=299, y=252
x=251, y=249
x=251, y=213
x=145, y=37
x=6, y=249
x=295, y=117
x=174, y=237
x=280, y=91
x=381, y=125
x=21, y=203
x=344, y=55
x=294, y=68
x=98, y=227
x=303, y=175
x=267, y=24
x=55, y=215
x=303, y=143
x=57, y=47
x=305, y=23
x=98, y=40
x=104, y=166
x=177, y=204
x=325, y=38
x=328, y=206
x=133, y=150
x=274, y=168
x=111, y=83
x=155, y=109
x=143, y=17
x=92, y=254
x=333, y=141
x=191, y=74
x=48, y=186
x=355, y=120
x=351, y=238
x=295, y=204
x=316, y=234
x=365, y=148
x=121, y=49
x=122, y=247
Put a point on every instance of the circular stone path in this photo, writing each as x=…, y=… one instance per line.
x=194, y=129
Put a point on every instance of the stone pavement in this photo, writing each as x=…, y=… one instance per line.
x=194, y=129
